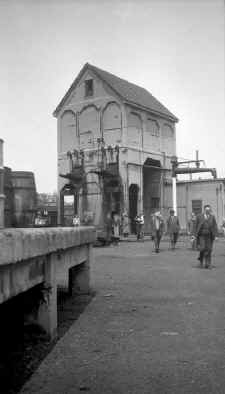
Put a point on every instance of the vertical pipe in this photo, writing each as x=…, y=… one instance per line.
x=197, y=160
x=174, y=194
x=163, y=177
x=2, y=196
x=222, y=196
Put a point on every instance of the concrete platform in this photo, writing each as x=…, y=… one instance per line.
x=156, y=326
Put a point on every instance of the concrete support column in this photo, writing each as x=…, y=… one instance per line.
x=174, y=189
x=47, y=313
x=2, y=196
x=79, y=276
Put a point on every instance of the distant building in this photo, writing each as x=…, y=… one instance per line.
x=192, y=195
x=47, y=208
x=117, y=141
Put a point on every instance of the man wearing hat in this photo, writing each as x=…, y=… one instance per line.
x=173, y=228
x=206, y=231
x=157, y=229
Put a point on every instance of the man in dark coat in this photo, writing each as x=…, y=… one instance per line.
x=173, y=228
x=206, y=231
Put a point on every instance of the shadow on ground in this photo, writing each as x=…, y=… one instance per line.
x=23, y=347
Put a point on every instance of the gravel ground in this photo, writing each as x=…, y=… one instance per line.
x=155, y=326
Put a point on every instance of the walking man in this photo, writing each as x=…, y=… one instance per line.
x=206, y=231
x=173, y=228
x=157, y=229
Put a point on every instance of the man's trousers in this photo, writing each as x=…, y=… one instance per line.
x=205, y=244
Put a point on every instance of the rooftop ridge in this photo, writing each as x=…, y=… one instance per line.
x=128, y=91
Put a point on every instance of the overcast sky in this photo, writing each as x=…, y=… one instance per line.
x=175, y=49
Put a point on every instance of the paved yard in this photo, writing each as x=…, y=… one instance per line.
x=156, y=325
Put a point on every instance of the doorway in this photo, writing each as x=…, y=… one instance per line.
x=151, y=190
x=68, y=205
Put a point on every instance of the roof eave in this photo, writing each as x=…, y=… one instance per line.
x=69, y=91
x=171, y=117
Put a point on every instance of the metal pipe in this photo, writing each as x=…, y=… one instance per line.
x=191, y=170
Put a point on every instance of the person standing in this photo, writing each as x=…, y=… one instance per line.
x=116, y=228
x=157, y=229
x=125, y=224
x=192, y=230
x=76, y=221
x=173, y=228
x=206, y=231
x=108, y=228
x=139, y=219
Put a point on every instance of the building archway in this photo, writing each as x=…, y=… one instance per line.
x=68, y=204
x=133, y=205
x=151, y=189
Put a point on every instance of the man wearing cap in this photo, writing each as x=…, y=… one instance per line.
x=157, y=229
x=173, y=228
x=206, y=231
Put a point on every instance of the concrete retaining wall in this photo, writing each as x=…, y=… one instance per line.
x=29, y=257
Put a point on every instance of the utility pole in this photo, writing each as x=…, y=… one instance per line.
x=174, y=182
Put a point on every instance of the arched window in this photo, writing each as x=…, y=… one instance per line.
x=152, y=127
x=151, y=135
x=168, y=142
x=111, y=120
x=89, y=126
x=68, y=132
x=134, y=129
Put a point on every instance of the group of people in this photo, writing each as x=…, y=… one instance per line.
x=158, y=226
x=202, y=229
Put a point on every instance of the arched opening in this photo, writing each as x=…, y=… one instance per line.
x=151, y=189
x=111, y=121
x=68, y=131
x=89, y=126
x=112, y=196
x=134, y=129
x=133, y=204
x=68, y=205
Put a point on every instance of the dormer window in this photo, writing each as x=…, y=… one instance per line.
x=89, y=88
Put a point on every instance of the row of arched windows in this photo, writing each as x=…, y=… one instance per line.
x=84, y=129
x=151, y=134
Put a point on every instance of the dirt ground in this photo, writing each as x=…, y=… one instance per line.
x=154, y=323
x=155, y=326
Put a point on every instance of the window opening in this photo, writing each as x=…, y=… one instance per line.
x=89, y=87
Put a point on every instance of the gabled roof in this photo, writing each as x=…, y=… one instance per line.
x=128, y=92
